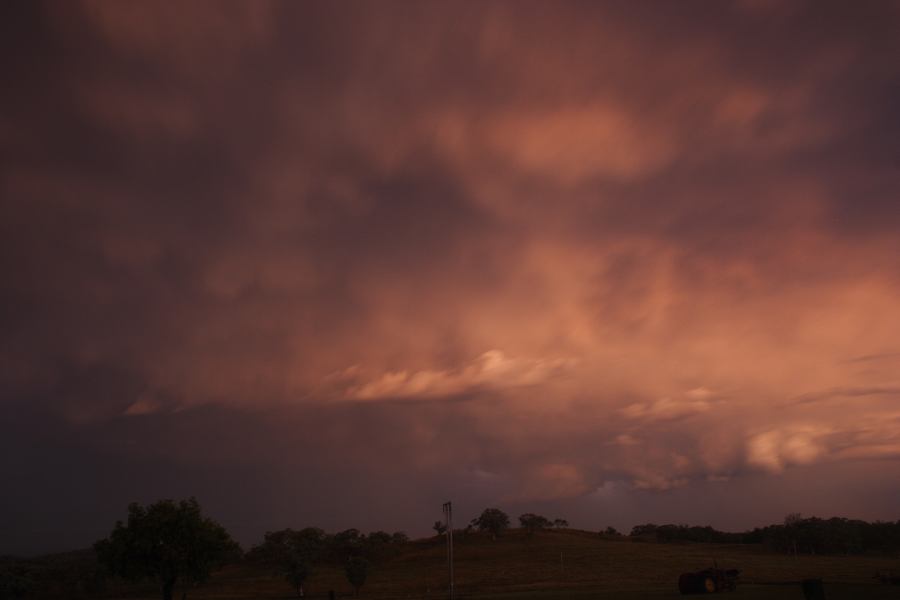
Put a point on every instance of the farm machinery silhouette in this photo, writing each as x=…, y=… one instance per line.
x=708, y=581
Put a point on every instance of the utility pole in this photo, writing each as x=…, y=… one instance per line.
x=448, y=519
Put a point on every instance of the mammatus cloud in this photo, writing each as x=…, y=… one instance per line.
x=870, y=435
x=774, y=450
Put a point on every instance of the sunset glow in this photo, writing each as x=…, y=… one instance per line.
x=616, y=261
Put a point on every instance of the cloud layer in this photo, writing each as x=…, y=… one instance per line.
x=572, y=255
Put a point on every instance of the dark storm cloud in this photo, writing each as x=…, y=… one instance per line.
x=560, y=255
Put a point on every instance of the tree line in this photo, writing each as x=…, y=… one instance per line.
x=295, y=554
x=796, y=535
x=494, y=521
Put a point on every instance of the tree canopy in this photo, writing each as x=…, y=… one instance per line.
x=296, y=569
x=532, y=522
x=492, y=520
x=166, y=541
x=357, y=570
x=294, y=553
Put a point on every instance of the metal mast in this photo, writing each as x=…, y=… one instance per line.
x=448, y=519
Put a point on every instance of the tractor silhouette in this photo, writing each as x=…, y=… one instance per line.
x=708, y=581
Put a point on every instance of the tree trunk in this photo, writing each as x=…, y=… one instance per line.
x=168, y=589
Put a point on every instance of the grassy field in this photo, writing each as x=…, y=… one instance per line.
x=562, y=564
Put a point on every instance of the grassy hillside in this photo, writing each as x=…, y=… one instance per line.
x=553, y=565
x=568, y=564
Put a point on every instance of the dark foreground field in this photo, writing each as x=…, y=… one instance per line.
x=561, y=564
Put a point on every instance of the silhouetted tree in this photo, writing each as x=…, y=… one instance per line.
x=357, y=571
x=280, y=546
x=793, y=528
x=294, y=553
x=645, y=531
x=15, y=581
x=439, y=527
x=378, y=538
x=399, y=538
x=560, y=523
x=532, y=522
x=297, y=570
x=492, y=520
x=168, y=542
x=381, y=544
x=345, y=544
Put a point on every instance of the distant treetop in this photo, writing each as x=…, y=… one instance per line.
x=492, y=520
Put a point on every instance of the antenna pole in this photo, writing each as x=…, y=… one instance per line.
x=448, y=519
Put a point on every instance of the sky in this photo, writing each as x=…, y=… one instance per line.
x=334, y=264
